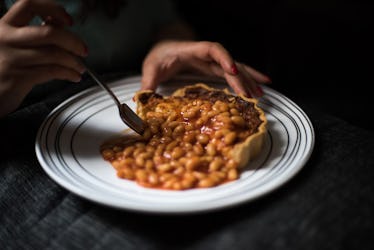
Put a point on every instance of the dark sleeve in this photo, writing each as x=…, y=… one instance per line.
x=3, y=8
x=164, y=12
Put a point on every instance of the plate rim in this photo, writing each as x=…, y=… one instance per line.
x=153, y=210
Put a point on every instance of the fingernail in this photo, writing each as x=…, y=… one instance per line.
x=268, y=80
x=133, y=98
x=234, y=69
x=247, y=94
x=259, y=91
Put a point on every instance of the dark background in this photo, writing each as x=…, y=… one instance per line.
x=320, y=52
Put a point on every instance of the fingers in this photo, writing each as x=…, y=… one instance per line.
x=23, y=11
x=208, y=58
x=63, y=65
x=258, y=76
x=51, y=32
x=154, y=71
x=210, y=51
x=151, y=77
x=37, y=36
x=48, y=55
x=206, y=68
x=236, y=83
x=44, y=73
x=244, y=83
x=212, y=58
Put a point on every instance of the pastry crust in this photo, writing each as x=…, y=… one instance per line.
x=242, y=152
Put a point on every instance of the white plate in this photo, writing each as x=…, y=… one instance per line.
x=68, y=142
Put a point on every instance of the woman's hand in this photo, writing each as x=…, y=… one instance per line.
x=168, y=58
x=30, y=55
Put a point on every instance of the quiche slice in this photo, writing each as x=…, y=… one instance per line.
x=197, y=137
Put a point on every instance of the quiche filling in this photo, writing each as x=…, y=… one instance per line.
x=198, y=137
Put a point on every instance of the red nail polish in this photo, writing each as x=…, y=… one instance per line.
x=247, y=94
x=260, y=92
x=234, y=69
x=268, y=80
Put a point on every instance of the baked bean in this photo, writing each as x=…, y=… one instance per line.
x=206, y=182
x=177, y=186
x=215, y=177
x=128, y=161
x=177, y=153
x=173, y=116
x=198, y=149
x=199, y=175
x=230, y=138
x=116, y=164
x=186, y=184
x=238, y=120
x=107, y=154
x=149, y=165
x=191, y=113
x=212, y=113
x=117, y=149
x=163, y=177
x=166, y=167
x=232, y=174
x=153, y=178
x=201, y=121
x=168, y=184
x=138, y=151
x=189, y=176
x=210, y=149
x=202, y=138
x=166, y=139
x=128, y=151
x=193, y=163
x=226, y=121
x=216, y=164
x=190, y=137
x=157, y=159
x=140, y=162
x=167, y=131
x=141, y=175
x=187, y=144
x=220, y=174
x=145, y=155
x=179, y=171
x=234, y=111
x=128, y=173
x=189, y=126
x=231, y=164
x=171, y=145
x=221, y=133
x=154, y=128
x=179, y=130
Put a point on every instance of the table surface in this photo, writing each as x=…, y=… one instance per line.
x=328, y=205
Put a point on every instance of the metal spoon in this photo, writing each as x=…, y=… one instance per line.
x=128, y=116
